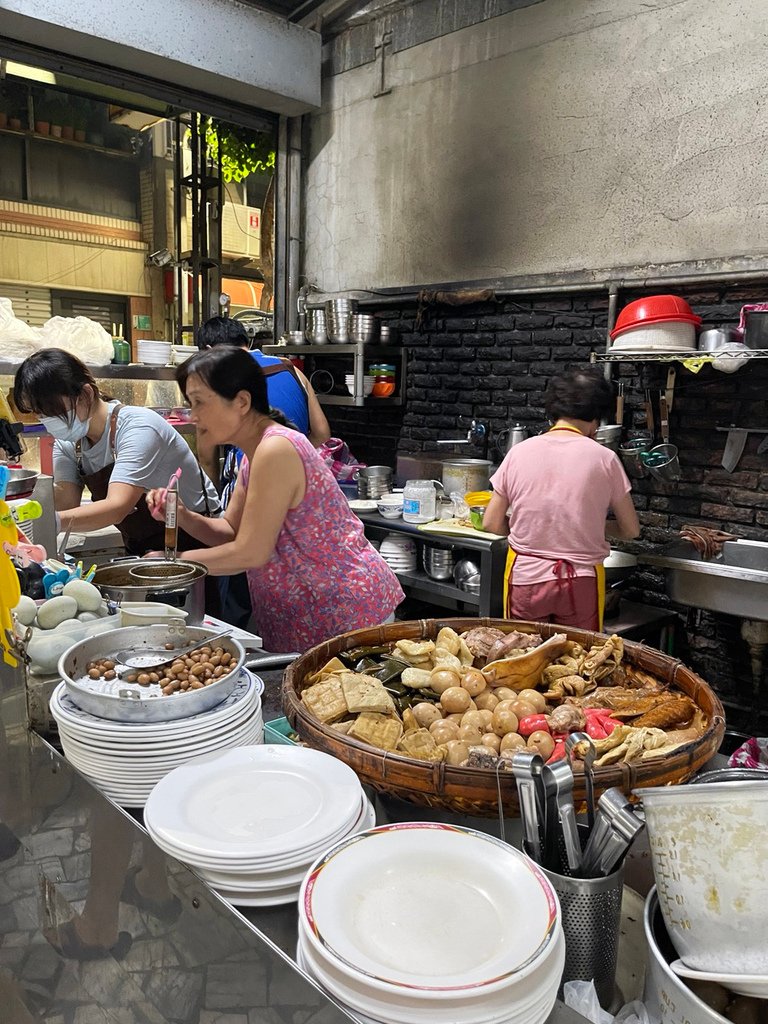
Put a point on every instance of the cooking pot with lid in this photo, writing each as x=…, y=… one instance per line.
x=463, y=475
x=180, y=584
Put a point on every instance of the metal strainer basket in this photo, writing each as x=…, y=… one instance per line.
x=591, y=912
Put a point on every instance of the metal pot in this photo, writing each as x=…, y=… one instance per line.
x=188, y=593
x=21, y=482
x=716, y=338
x=667, y=996
x=465, y=475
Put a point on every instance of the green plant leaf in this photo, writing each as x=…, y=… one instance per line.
x=242, y=151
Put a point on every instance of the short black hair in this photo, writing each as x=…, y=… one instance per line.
x=222, y=330
x=49, y=383
x=579, y=394
x=227, y=370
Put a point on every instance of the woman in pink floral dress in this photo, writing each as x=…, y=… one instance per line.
x=311, y=571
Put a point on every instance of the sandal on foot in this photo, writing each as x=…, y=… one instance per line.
x=67, y=943
x=164, y=910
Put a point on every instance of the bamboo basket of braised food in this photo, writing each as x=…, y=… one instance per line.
x=432, y=711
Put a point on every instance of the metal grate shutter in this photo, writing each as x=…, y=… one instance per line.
x=30, y=304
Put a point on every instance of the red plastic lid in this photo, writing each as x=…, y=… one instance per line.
x=655, y=309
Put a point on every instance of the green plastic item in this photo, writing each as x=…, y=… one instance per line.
x=279, y=730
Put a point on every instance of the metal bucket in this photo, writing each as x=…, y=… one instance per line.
x=116, y=583
x=667, y=997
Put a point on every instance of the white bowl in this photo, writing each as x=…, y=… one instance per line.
x=390, y=511
x=668, y=336
x=710, y=860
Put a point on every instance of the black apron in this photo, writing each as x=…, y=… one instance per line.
x=141, y=533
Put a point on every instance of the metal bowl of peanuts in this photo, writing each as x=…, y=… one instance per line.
x=189, y=685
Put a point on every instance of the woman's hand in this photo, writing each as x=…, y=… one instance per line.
x=156, y=503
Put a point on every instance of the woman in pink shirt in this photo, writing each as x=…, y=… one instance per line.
x=311, y=572
x=552, y=496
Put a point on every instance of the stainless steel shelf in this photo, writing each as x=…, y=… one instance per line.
x=114, y=371
x=360, y=353
x=421, y=584
x=329, y=350
x=673, y=357
x=349, y=400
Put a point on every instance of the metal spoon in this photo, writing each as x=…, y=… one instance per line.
x=155, y=659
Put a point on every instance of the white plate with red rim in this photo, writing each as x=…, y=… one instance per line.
x=471, y=1007
x=254, y=801
x=369, y=902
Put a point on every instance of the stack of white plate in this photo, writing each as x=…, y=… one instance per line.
x=125, y=760
x=421, y=922
x=154, y=353
x=181, y=353
x=251, y=821
x=399, y=552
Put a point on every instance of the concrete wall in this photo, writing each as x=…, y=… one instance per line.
x=569, y=136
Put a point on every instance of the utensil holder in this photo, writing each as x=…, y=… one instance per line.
x=631, y=455
x=591, y=914
x=662, y=462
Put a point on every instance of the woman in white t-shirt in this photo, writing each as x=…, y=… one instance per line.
x=119, y=452
x=552, y=496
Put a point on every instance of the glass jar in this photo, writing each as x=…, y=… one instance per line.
x=419, y=501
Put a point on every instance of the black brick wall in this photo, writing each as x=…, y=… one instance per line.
x=492, y=361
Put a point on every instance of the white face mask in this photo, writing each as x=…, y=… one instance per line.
x=64, y=428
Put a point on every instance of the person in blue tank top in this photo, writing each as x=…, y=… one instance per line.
x=287, y=390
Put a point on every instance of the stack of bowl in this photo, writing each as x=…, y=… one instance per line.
x=388, y=335
x=368, y=383
x=657, y=323
x=153, y=353
x=363, y=327
x=399, y=552
x=438, y=562
x=316, y=332
x=424, y=922
x=466, y=576
x=373, y=481
x=338, y=316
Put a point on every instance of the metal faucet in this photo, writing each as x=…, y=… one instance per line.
x=477, y=435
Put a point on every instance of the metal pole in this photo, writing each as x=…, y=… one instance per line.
x=178, y=192
x=294, y=222
x=281, y=228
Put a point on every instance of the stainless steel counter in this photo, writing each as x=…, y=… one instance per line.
x=65, y=850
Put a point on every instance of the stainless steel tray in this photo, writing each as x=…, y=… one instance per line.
x=128, y=702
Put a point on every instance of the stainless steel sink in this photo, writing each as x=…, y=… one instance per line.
x=736, y=582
